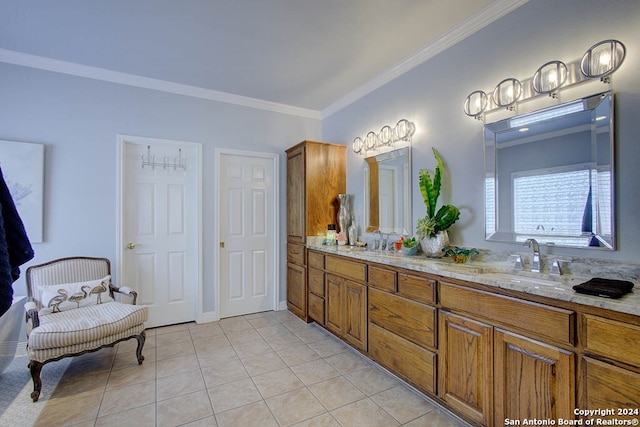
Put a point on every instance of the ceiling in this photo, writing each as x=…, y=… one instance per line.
x=311, y=56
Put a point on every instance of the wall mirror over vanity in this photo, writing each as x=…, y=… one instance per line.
x=550, y=175
x=387, y=178
x=387, y=194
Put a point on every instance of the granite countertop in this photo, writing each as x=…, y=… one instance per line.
x=493, y=274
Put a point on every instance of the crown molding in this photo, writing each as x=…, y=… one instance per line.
x=103, y=74
x=479, y=20
x=464, y=29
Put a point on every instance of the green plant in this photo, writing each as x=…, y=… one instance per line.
x=409, y=243
x=443, y=218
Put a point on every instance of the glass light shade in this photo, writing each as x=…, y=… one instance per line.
x=476, y=103
x=386, y=135
x=507, y=92
x=371, y=141
x=357, y=145
x=602, y=58
x=404, y=130
x=549, y=77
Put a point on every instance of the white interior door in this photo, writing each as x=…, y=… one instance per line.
x=159, y=211
x=246, y=233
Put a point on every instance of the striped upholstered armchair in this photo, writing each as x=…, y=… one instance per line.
x=71, y=310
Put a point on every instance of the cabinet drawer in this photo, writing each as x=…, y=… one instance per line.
x=382, y=279
x=607, y=384
x=316, y=282
x=315, y=260
x=612, y=339
x=346, y=268
x=418, y=288
x=543, y=320
x=414, y=363
x=295, y=254
x=316, y=309
x=411, y=320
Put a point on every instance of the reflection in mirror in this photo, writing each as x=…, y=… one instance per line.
x=549, y=175
x=387, y=200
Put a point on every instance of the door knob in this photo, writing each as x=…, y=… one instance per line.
x=131, y=245
x=222, y=244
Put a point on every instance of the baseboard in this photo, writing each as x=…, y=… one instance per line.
x=282, y=305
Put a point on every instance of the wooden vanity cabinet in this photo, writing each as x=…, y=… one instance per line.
x=488, y=355
x=316, y=174
x=402, y=331
x=489, y=373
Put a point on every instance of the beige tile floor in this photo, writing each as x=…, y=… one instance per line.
x=265, y=369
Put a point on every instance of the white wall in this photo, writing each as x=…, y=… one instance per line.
x=78, y=119
x=432, y=96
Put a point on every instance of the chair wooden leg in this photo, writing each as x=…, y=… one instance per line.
x=141, y=339
x=35, y=368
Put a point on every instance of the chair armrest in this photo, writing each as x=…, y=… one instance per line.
x=125, y=290
x=31, y=312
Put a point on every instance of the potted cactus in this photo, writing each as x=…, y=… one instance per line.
x=432, y=228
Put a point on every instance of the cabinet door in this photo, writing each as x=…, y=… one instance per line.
x=465, y=379
x=608, y=386
x=297, y=290
x=296, y=228
x=532, y=379
x=355, y=311
x=334, y=315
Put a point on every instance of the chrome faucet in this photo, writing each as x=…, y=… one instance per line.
x=535, y=261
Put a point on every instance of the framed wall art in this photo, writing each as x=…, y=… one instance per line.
x=22, y=166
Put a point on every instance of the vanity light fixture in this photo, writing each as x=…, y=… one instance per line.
x=599, y=61
x=602, y=59
x=550, y=77
x=476, y=103
x=507, y=93
x=387, y=137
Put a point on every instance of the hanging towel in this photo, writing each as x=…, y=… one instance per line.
x=608, y=288
x=15, y=248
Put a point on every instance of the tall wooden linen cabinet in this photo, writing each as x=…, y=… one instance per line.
x=316, y=174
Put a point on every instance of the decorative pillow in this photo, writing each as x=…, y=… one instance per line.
x=67, y=296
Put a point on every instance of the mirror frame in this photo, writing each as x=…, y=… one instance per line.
x=598, y=240
x=372, y=191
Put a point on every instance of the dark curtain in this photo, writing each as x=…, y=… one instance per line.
x=15, y=248
x=587, y=221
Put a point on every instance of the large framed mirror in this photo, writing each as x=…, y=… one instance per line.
x=550, y=175
x=387, y=195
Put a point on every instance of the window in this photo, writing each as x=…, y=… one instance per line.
x=544, y=206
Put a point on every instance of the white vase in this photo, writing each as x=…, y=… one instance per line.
x=432, y=246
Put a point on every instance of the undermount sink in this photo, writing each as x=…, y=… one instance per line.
x=531, y=281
